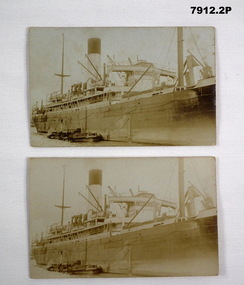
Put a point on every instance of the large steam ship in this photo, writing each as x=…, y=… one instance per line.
x=145, y=104
x=145, y=236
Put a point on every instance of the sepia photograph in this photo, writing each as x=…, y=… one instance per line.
x=122, y=217
x=122, y=86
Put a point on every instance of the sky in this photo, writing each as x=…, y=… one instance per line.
x=155, y=44
x=155, y=175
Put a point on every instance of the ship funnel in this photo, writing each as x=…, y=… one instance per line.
x=95, y=188
x=94, y=57
x=94, y=46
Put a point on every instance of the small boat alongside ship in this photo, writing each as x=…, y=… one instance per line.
x=76, y=268
x=145, y=104
x=83, y=268
x=76, y=136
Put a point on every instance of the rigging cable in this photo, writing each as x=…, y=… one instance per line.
x=165, y=41
x=196, y=45
x=172, y=172
x=197, y=176
x=169, y=48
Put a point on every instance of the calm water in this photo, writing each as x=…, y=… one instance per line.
x=41, y=140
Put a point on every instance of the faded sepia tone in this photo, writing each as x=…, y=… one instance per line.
x=110, y=217
x=122, y=86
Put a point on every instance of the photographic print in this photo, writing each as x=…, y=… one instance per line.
x=122, y=86
x=122, y=217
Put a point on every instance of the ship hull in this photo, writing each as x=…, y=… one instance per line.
x=176, y=118
x=187, y=248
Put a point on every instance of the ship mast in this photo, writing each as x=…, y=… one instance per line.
x=180, y=57
x=62, y=75
x=181, y=188
x=63, y=207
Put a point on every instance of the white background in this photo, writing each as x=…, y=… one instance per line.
x=15, y=18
